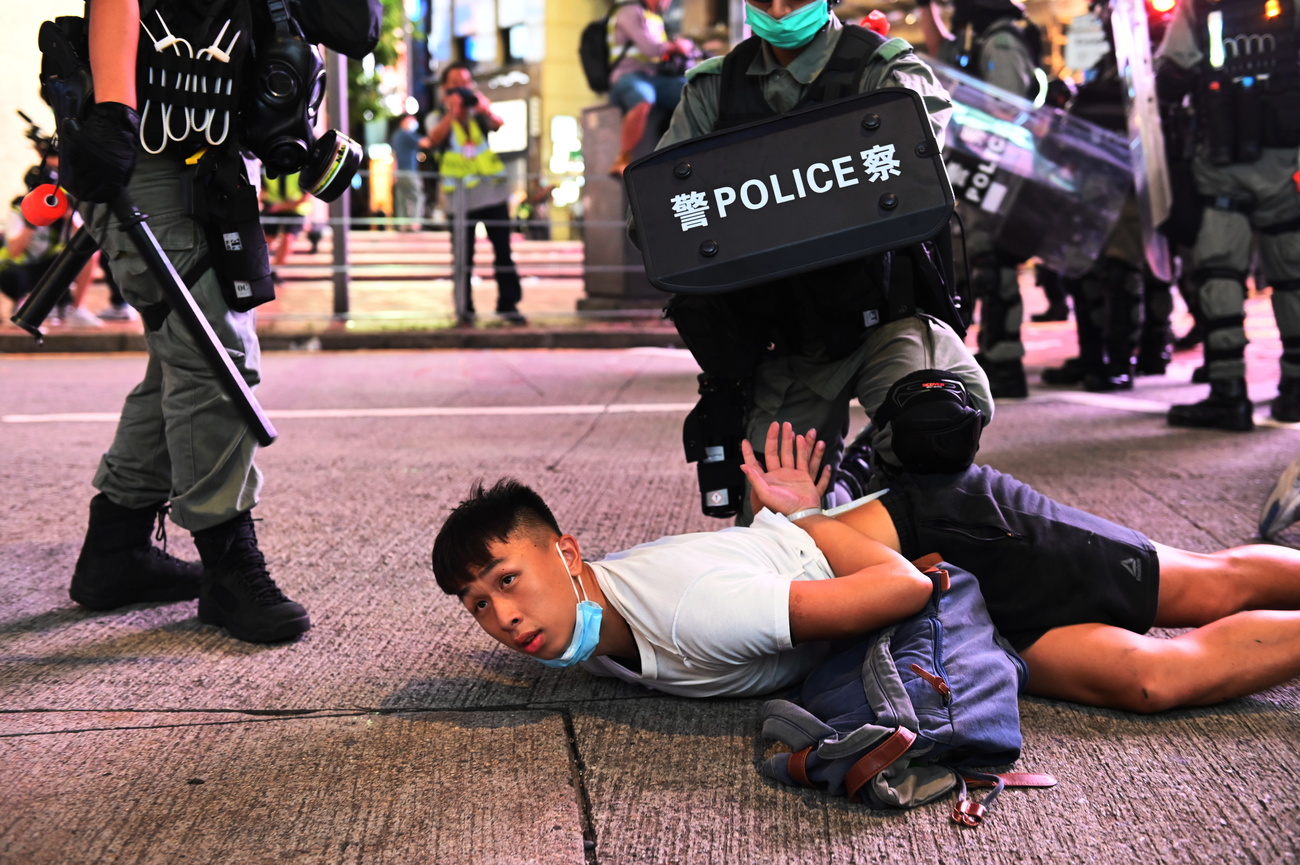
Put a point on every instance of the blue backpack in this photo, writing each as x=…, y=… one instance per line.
x=899, y=718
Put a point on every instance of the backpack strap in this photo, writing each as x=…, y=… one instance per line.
x=968, y=812
x=840, y=76
x=742, y=94
x=1011, y=779
x=876, y=761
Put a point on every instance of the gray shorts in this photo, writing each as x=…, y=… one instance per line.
x=1040, y=564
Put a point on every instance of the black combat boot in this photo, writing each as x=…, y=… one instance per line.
x=1155, y=352
x=1286, y=405
x=238, y=593
x=1006, y=377
x=1117, y=375
x=1070, y=372
x=119, y=564
x=1228, y=407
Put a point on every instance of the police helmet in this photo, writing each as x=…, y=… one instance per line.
x=935, y=427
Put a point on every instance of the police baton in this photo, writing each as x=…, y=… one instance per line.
x=134, y=223
x=183, y=304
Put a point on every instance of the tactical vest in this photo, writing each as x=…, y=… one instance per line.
x=1249, y=93
x=1101, y=99
x=192, y=60
x=966, y=50
x=837, y=303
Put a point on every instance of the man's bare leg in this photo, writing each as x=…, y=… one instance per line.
x=1239, y=647
x=1199, y=588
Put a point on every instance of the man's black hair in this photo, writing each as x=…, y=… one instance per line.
x=455, y=64
x=484, y=518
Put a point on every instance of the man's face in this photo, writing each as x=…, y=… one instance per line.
x=524, y=597
x=458, y=77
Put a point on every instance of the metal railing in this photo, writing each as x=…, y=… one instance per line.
x=444, y=261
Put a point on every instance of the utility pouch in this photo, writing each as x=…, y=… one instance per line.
x=711, y=435
x=236, y=243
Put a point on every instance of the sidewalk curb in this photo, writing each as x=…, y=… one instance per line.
x=496, y=338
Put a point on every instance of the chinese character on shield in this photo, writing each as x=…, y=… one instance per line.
x=879, y=162
x=692, y=209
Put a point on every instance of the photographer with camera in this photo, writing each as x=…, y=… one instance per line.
x=177, y=153
x=475, y=185
x=649, y=70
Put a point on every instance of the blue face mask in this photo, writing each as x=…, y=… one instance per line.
x=794, y=30
x=586, y=627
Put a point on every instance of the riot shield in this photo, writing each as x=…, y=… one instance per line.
x=1147, y=140
x=1039, y=182
x=784, y=196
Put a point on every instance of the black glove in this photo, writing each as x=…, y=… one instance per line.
x=97, y=154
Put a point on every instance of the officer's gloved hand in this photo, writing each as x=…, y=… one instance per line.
x=97, y=154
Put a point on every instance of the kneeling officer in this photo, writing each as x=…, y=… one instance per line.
x=800, y=348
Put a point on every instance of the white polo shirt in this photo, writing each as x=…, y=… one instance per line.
x=711, y=611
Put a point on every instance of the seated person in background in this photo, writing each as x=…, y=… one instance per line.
x=743, y=611
x=637, y=44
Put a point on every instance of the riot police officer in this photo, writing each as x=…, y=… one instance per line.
x=993, y=41
x=181, y=445
x=800, y=349
x=1238, y=63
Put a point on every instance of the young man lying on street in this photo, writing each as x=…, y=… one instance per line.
x=746, y=611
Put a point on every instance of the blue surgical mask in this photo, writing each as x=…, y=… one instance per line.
x=794, y=30
x=586, y=627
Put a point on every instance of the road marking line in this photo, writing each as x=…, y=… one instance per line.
x=1143, y=406
x=429, y=411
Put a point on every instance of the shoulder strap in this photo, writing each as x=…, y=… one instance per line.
x=742, y=99
x=840, y=76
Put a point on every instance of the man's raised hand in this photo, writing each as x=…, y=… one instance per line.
x=794, y=479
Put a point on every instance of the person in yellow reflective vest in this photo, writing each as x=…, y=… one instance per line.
x=474, y=183
x=285, y=208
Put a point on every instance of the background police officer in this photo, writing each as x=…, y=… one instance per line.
x=1238, y=62
x=993, y=41
x=812, y=350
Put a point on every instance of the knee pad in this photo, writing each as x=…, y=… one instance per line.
x=935, y=426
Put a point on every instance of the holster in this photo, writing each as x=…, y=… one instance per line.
x=711, y=435
x=225, y=204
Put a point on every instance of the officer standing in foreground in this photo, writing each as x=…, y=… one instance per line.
x=993, y=41
x=816, y=351
x=1238, y=60
x=179, y=438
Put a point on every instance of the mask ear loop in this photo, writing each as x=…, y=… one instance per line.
x=583, y=596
